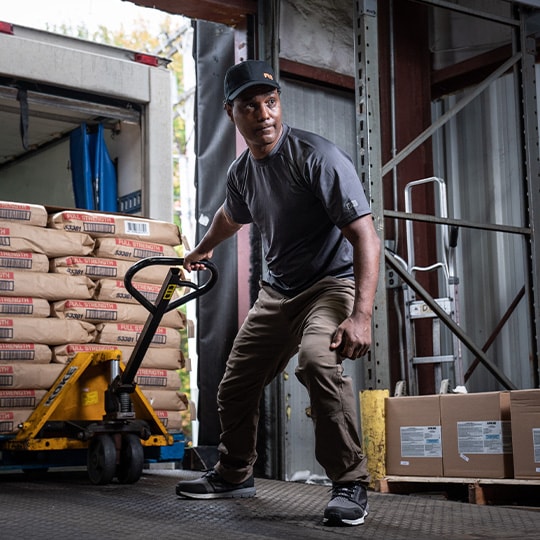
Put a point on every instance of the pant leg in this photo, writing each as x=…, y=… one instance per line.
x=333, y=400
x=262, y=349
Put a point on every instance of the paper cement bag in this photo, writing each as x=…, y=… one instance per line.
x=165, y=400
x=114, y=290
x=64, y=354
x=97, y=268
x=51, y=242
x=98, y=312
x=28, y=214
x=172, y=420
x=21, y=398
x=48, y=286
x=92, y=267
x=49, y=331
x=24, y=306
x=11, y=419
x=159, y=378
x=31, y=353
x=131, y=250
x=161, y=358
x=128, y=334
x=29, y=376
x=24, y=260
x=103, y=225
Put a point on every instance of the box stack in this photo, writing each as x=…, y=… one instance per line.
x=62, y=286
x=451, y=435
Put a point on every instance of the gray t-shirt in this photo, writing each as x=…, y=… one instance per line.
x=299, y=196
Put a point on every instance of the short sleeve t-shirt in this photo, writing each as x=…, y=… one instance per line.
x=299, y=196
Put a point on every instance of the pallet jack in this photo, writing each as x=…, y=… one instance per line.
x=70, y=416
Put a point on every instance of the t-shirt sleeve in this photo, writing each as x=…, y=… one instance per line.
x=235, y=205
x=339, y=188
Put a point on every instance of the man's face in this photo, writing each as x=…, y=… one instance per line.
x=256, y=113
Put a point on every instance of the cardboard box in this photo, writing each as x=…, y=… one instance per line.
x=476, y=435
x=413, y=436
x=525, y=409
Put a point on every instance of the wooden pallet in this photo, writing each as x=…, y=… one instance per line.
x=473, y=490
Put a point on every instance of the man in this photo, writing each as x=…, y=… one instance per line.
x=316, y=299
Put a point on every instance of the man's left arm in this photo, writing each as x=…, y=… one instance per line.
x=352, y=338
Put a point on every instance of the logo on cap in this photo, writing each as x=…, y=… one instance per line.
x=268, y=76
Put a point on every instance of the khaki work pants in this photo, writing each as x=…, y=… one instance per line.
x=275, y=329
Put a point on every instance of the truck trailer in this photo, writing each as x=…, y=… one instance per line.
x=52, y=85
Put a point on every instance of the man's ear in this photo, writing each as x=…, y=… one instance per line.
x=228, y=110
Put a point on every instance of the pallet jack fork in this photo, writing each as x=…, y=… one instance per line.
x=70, y=416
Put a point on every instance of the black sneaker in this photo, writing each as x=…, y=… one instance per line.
x=212, y=486
x=348, y=505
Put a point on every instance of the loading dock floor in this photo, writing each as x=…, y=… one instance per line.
x=64, y=505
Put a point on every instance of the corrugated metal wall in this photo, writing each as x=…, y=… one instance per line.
x=327, y=112
x=478, y=155
x=330, y=114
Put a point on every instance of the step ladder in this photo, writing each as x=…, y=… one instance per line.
x=446, y=354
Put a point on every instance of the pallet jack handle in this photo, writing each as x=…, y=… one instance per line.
x=173, y=262
x=123, y=384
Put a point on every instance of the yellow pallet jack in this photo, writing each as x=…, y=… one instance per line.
x=95, y=405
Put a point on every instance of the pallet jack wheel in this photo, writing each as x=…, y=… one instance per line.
x=131, y=462
x=101, y=459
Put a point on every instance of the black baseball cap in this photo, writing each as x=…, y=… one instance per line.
x=246, y=74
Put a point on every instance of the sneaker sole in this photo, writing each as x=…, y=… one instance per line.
x=335, y=519
x=235, y=494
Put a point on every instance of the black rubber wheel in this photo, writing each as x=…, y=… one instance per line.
x=101, y=460
x=131, y=462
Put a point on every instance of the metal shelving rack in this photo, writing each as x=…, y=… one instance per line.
x=371, y=169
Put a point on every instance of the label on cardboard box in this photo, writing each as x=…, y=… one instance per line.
x=420, y=441
x=484, y=437
x=536, y=444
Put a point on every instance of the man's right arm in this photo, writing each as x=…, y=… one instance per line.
x=221, y=228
